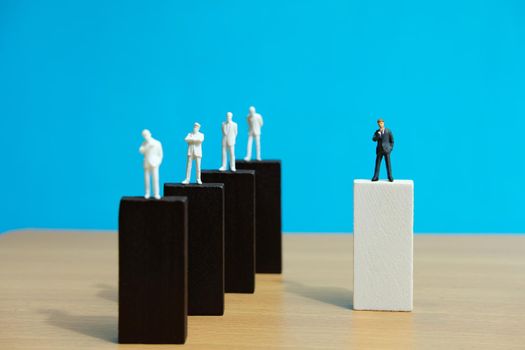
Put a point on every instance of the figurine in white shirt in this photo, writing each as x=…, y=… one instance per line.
x=194, y=140
x=255, y=123
x=229, y=134
x=152, y=151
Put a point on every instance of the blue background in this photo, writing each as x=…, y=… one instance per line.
x=79, y=80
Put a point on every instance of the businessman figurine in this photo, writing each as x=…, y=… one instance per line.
x=229, y=134
x=385, y=144
x=255, y=123
x=152, y=151
x=194, y=140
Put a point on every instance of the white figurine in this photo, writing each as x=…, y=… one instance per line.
x=229, y=134
x=255, y=123
x=152, y=151
x=194, y=141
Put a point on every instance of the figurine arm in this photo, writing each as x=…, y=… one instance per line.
x=161, y=152
x=188, y=138
x=376, y=136
x=261, y=120
x=391, y=139
x=142, y=149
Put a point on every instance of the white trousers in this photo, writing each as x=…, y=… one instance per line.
x=197, y=167
x=225, y=149
x=148, y=173
x=257, y=146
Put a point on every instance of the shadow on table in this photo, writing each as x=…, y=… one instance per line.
x=337, y=296
x=107, y=292
x=101, y=327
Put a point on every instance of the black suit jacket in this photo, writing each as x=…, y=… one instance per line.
x=385, y=143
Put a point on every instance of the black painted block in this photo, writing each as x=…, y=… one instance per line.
x=268, y=214
x=153, y=270
x=239, y=239
x=205, y=246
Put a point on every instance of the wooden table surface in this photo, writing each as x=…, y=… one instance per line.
x=58, y=290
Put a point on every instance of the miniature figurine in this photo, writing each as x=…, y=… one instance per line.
x=152, y=151
x=229, y=134
x=255, y=123
x=385, y=144
x=194, y=140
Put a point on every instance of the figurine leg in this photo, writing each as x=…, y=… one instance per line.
x=198, y=169
x=188, y=171
x=223, y=166
x=258, y=146
x=378, y=164
x=147, y=190
x=249, y=148
x=156, y=192
x=388, y=167
x=232, y=158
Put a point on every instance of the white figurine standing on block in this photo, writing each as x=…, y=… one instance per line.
x=194, y=140
x=255, y=123
x=229, y=134
x=152, y=151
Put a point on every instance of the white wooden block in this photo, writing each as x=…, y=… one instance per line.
x=383, y=245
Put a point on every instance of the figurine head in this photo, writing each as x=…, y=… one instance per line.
x=196, y=127
x=146, y=134
x=381, y=123
x=252, y=110
x=229, y=116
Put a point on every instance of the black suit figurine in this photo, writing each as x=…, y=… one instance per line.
x=385, y=144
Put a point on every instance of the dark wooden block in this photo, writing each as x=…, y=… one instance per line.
x=153, y=270
x=239, y=239
x=205, y=246
x=268, y=214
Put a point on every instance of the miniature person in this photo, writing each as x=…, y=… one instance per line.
x=194, y=140
x=152, y=151
x=385, y=144
x=229, y=134
x=255, y=123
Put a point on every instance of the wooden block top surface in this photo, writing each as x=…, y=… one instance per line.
x=238, y=172
x=203, y=186
x=264, y=161
x=384, y=182
x=152, y=200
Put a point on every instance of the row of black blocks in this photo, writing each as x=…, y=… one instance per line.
x=180, y=254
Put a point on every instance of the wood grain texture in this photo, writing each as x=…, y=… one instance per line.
x=58, y=290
